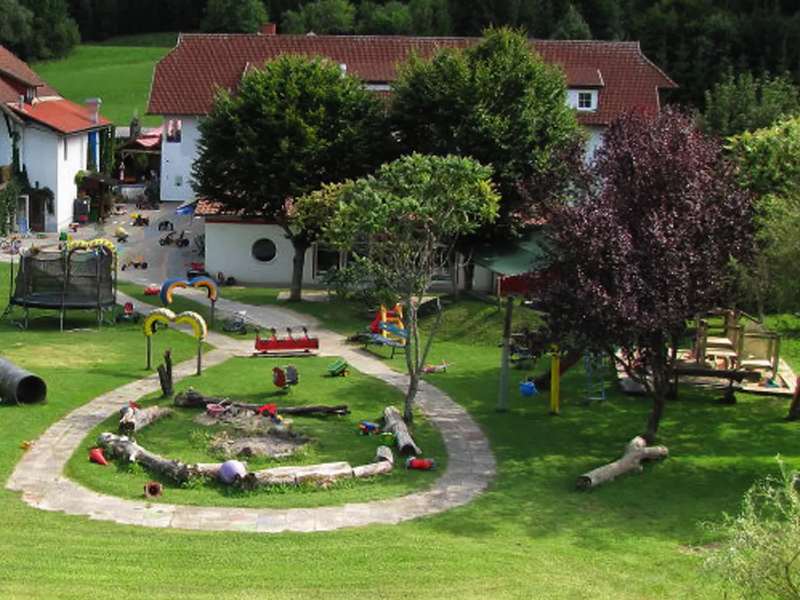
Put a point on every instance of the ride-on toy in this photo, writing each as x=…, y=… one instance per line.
x=196, y=269
x=181, y=241
x=288, y=344
x=139, y=220
x=136, y=263
x=152, y=290
x=127, y=314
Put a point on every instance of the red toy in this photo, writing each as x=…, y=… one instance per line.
x=421, y=464
x=285, y=377
x=96, y=456
x=288, y=344
x=152, y=290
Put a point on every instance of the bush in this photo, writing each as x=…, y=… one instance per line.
x=759, y=558
x=361, y=280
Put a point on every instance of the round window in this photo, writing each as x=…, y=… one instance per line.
x=263, y=250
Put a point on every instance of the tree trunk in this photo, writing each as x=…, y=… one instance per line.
x=660, y=374
x=635, y=452
x=165, y=375
x=192, y=399
x=394, y=424
x=298, y=263
x=135, y=419
x=411, y=394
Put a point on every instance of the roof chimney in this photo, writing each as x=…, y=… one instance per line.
x=93, y=104
x=269, y=29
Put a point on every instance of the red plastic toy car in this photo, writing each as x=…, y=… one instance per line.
x=152, y=290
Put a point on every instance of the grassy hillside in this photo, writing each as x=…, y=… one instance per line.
x=119, y=71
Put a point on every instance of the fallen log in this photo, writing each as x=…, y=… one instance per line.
x=635, y=452
x=193, y=399
x=321, y=474
x=133, y=419
x=394, y=424
x=384, y=454
x=125, y=448
x=372, y=469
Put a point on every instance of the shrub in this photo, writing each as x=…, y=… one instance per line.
x=759, y=558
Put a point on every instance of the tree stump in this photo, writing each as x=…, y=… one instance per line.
x=165, y=375
x=635, y=452
x=394, y=424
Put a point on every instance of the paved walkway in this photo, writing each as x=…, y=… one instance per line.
x=39, y=475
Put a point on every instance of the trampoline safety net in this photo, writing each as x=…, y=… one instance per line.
x=65, y=280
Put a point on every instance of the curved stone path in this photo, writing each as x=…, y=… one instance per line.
x=39, y=475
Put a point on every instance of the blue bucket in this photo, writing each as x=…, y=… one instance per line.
x=527, y=388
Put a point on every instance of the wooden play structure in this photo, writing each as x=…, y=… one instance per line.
x=732, y=340
x=289, y=344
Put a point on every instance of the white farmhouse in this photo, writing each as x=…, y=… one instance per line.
x=603, y=78
x=54, y=138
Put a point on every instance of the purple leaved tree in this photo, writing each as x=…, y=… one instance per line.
x=647, y=245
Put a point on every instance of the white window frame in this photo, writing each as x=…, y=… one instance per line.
x=583, y=97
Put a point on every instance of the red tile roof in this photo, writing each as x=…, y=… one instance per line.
x=16, y=77
x=185, y=80
x=48, y=108
x=59, y=114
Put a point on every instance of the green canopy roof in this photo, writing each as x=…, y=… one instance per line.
x=525, y=254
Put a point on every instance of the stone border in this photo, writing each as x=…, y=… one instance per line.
x=39, y=475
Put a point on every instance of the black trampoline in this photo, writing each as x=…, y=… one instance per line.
x=76, y=277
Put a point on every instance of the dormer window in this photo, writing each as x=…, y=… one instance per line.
x=587, y=101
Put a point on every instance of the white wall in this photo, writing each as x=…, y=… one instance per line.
x=39, y=150
x=177, y=159
x=5, y=143
x=77, y=146
x=228, y=250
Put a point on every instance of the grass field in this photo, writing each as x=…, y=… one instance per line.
x=119, y=72
x=530, y=536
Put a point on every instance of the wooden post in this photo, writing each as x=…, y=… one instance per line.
x=165, y=375
x=555, y=381
x=503, y=392
x=199, y=356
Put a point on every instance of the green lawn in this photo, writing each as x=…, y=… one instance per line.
x=119, y=72
x=530, y=536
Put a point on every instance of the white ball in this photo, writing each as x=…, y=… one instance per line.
x=231, y=471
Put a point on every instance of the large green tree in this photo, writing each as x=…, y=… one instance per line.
x=768, y=161
x=745, y=103
x=15, y=25
x=234, y=16
x=53, y=32
x=290, y=127
x=321, y=17
x=408, y=217
x=497, y=102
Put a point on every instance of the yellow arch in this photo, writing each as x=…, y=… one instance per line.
x=165, y=315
